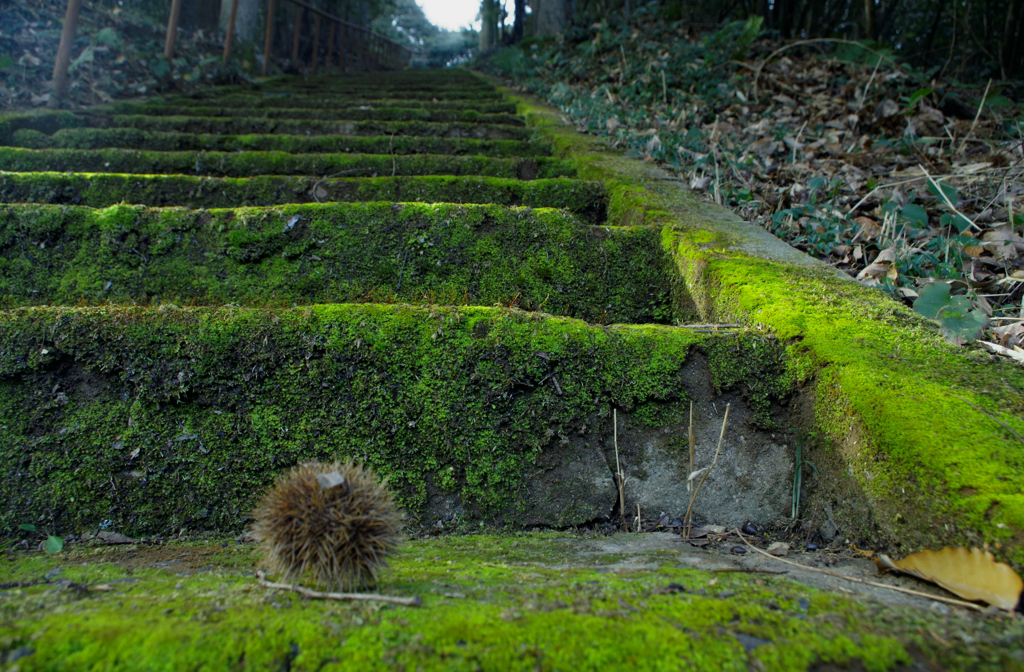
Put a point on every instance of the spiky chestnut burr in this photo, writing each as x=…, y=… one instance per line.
x=331, y=521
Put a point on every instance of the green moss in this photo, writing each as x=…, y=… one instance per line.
x=111, y=413
x=489, y=602
x=584, y=199
x=164, y=141
x=247, y=125
x=536, y=259
x=376, y=112
x=921, y=424
x=244, y=164
x=262, y=100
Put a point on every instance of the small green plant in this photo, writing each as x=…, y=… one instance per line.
x=53, y=544
x=959, y=321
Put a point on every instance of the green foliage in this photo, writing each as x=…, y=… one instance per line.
x=732, y=40
x=960, y=323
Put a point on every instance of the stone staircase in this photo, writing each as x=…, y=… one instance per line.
x=200, y=292
x=203, y=291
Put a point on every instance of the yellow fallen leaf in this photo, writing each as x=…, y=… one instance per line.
x=973, y=575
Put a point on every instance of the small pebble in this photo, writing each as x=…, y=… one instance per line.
x=726, y=593
x=812, y=547
x=738, y=550
x=750, y=529
x=223, y=544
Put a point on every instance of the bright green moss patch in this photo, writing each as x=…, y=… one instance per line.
x=376, y=112
x=112, y=413
x=489, y=602
x=584, y=199
x=166, y=141
x=244, y=164
x=536, y=259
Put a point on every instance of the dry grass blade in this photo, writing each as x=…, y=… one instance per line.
x=688, y=518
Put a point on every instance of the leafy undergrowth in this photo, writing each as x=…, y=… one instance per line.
x=897, y=176
x=116, y=54
x=539, y=601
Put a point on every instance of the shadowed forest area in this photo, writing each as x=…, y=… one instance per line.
x=883, y=137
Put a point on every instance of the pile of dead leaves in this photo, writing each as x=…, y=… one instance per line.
x=895, y=176
x=116, y=54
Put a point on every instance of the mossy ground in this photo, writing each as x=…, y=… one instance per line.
x=540, y=601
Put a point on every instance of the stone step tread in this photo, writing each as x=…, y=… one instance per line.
x=290, y=100
x=242, y=164
x=587, y=200
x=133, y=138
x=475, y=254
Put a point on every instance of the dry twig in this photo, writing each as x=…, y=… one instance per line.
x=415, y=601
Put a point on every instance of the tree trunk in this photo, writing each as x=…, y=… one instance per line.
x=519, y=25
x=550, y=17
x=247, y=20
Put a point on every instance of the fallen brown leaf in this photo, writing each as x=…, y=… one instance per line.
x=973, y=575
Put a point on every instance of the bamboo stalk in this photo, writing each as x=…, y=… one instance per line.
x=330, y=47
x=295, y=34
x=316, y=42
x=229, y=39
x=67, y=41
x=172, y=29
x=268, y=39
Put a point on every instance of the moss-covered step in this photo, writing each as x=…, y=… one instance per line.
x=553, y=601
x=165, y=141
x=917, y=441
x=274, y=100
x=243, y=164
x=111, y=413
x=483, y=255
x=332, y=113
x=586, y=200
x=250, y=125
x=50, y=121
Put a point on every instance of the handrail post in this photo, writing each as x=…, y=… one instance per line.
x=172, y=29
x=230, y=37
x=316, y=41
x=268, y=41
x=67, y=41
x=295, y=34
x=330, y=48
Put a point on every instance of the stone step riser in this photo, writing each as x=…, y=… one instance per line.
x=164, y=141
x=245, y=164
x=305, y=254
x=507, y=414
x=586, y=200
x=325, y=113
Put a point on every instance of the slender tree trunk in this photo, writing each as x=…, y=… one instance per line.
x=550, y=17
x=247, y=20
x=519, y=21
x=67, y=41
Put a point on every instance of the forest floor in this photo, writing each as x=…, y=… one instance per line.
x=901, y=178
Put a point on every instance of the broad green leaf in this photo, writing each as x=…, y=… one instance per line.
x=914, y=215
x=53, y=544
x=998, y=102
x=960, y=326
x=28, y=527
x=932, y=298
x=6, y=61
x=949, y=192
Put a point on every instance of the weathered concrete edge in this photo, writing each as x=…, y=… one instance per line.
x=928, y=434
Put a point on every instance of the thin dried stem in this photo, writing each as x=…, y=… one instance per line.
x=318, y=595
